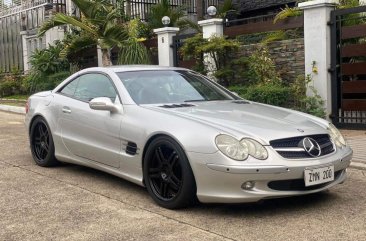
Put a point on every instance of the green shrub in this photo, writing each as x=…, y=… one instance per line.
x=271, y=93
x=313, y=104
x=8, y=88
x=220, y=49
x=48, y=69
x=37, y=82
x=261, y=67
x=293, y=96
x=241, y=90
x=11, y=84
x=57, y=78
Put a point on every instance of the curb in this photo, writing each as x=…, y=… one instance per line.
x=14, y=109
x=358, y=166
x=13, y=100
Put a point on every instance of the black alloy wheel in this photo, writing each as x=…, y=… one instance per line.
x=42, y=146
x=168, y=175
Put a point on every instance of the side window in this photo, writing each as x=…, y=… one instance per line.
x=91, y=86
x=70, y=88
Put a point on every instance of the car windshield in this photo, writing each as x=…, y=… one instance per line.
x=171, y=86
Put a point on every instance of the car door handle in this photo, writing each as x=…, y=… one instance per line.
x=66, y=109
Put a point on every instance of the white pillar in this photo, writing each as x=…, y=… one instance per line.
x=317, y=41
x=54, y=34
x=99, y=56
x=211, y=27
x=165, y=41
x=23, y=34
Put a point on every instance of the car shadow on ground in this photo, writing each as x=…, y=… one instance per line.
x=264, y=207
x=286, y=204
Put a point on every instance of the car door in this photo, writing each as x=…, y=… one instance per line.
x=87, y=133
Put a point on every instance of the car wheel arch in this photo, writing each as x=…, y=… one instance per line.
x=157, y=135
x=35, y=117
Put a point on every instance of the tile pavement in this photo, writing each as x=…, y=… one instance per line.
x=357, y=141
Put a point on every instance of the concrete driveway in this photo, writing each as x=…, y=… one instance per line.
x=76, y=203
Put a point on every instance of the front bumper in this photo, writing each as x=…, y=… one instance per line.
x=219, y=179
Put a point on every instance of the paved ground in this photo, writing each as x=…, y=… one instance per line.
x=76, y=203
x=357, y=140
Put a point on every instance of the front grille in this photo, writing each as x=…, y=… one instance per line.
x=298, y=184
x=292, y=148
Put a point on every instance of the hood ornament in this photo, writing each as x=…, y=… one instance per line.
x=300, y=130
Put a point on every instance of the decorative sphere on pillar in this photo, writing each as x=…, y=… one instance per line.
x=166, y=21
x=211, y=11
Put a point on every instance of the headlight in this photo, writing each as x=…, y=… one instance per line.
x=240, y=150
x=336, y=136
x=231, y=147
x=255, y=149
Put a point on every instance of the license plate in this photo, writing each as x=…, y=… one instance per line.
x=318, y=175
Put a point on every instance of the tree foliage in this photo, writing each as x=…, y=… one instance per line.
x=49, y=60
x=220, y=49
x=161, y=9
x=48, y=68
x=100, y=23
x=132, y=51
x=288, y=12
x=225, y=7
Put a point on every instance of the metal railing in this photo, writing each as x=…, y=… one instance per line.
x=348, y=67
x=23, y=7
x=142, y=8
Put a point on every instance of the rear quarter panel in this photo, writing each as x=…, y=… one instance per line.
x=39, y=105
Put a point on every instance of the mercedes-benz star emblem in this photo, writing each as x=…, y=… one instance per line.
x=311, y=147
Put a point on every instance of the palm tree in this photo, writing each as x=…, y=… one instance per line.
x=132, y=51
x=100, y=23
x=161, y=9
x=176, y=15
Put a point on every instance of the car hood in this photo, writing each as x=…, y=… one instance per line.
x=248, y=119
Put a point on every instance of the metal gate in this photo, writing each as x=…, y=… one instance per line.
x=348, y=53
x=178, y=42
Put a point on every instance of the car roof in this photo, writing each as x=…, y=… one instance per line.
x=125, y=68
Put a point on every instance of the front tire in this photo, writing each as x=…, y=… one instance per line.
x=168, y=176
x=41, y=142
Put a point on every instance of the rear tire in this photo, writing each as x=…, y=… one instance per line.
x=41, y=142
x=168, y=176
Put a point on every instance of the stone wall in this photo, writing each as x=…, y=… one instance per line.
x=288, y=56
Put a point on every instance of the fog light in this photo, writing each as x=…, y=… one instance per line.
x=248, y=185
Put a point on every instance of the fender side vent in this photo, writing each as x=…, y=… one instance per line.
x=131, y=148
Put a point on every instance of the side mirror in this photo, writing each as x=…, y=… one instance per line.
x=103, y=103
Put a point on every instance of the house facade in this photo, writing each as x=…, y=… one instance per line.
x=19, y=24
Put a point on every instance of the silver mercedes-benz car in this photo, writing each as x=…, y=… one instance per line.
x=183, y=136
